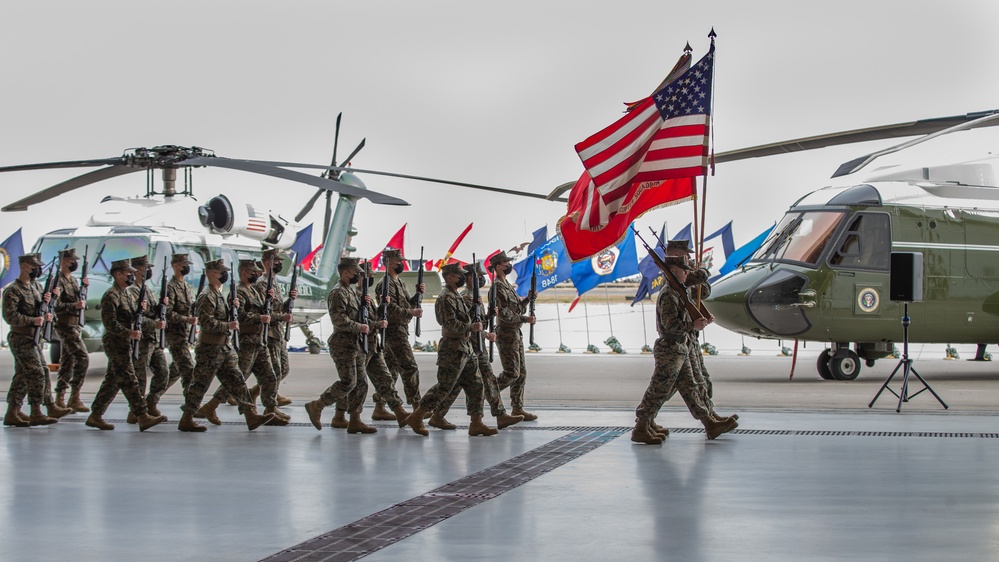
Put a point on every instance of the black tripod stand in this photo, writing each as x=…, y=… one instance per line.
x=906, y=365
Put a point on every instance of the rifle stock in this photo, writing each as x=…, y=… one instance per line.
x=137, y=320
x=694, y=310
x=291, y=300
x=476, y=308
x=193, y=332
x=233, y=311
x=362, y=311
x=383, y=310
x=534, y=292
x=267, y=300
x=491, y=315
x=83, y=288
x=419, y=293
x=161, y=336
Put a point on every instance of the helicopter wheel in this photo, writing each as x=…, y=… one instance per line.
x=845, y=366
x=822, y=365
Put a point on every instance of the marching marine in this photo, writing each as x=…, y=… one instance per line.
x=151, y=357
x=214, y=355
x=73, y=357
x=402, y=309
x=457, y=365
x=120, y=308
x=277, y=345
x=181, y=321
x=512, y=314
x=20, y=310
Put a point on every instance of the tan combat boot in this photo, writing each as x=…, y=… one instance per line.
x=11, y=418
x=151, y=402
x=146, y=421
x=506, y=420
x=714, y=428
x=382, y=414
x=717, y=417
x=254, y=392
x=38, y=418
x=355, y=425
x=656, y=428
x=283, y=401
x=439, y=422
x=415, y=421
x=130, y=418
x=61, y=398
x=476, y=427
x=254, y=420
x=56, y=412
x=315, y=410
x=95, y=420
x=339, y=419
x=277, y=414
x=401, y=415
x=187, y=423
x=75, y=403
x=207, y=411
x=521, y=412
x=641, y=434
x=277, y=419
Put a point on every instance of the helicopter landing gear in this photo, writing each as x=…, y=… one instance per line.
x=822, y=365
x=845, y=365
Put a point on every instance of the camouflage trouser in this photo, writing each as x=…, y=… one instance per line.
x=691, y=386
x=30, y=372
x=457, y=368
x=670, y=358
x=489, y=387
x=381, y=380
x=511, y=351
x=181, y=368
x=73, y=358
x=402, y=364
x=255, y=358
x=216, y=361
x=120, y=376
x=277, y=350
x=151, y=358
x=351, y=390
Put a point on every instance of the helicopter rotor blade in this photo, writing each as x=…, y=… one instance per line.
x=353, y=154
x=329, y=211
x=308, y=206
x=336, y=140
x=264, y=168
x=556, y=194
x=70, y=185
x=70, y=164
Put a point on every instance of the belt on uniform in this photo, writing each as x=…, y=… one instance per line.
x=214, y=339
x=248, y=332
x=675, y=338
x=23, y=330
x=70, y=320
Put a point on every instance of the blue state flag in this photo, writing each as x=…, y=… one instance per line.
x=611, y=264
x=10, y=250
x=553, y=266
x=715, y=254
x=652, y=277
x=540, y=236
x=303, y=244
x=744, y=252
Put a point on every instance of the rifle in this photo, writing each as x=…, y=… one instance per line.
x=42, y=308
x=476, y=310
x=268, y=299
x=137, y=320
x=383, y=310
x=419, y=293
x=84, y=289
x=161, y=307
x=192, y=333
x=491, y=315
x=233, y=312
x=534, y=292
x=699, y=304
x=291, y=300
x=362, y=312
x=694, y=310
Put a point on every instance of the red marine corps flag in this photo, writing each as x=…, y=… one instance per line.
x=646, y=160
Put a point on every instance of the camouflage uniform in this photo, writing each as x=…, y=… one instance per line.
x=214, y=355
x=457, y=366
x=253, y=354
x=509, y=340
x=351, y=389
x=118, y=310
x=151, y=357
x=398, y=351
x=20, y=306
x=375, y=367
x=181, y=308
x=692, y=383
x=277, y=346
x=671, y=352
x=490, y=385
x=73, y=357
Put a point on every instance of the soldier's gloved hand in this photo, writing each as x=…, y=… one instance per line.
x=363, y=328
x=491, y=336
x=192, y=320
x=382, y=324
x=531, y=319
x=476, y=326
x=80, y=304
x=47, y=297
x=37, y=321
x=417, y=312
x=48, y=316
x=142, y=306
x=286, y=317
x=293, y=294
x=367, y=299
x=265, y=318
x=134, y=334
x=161, y=325
x=235, y=303
x=85, y=281
x=700, y=323
x=56, y=292
x=234, y=325
x=422, y=288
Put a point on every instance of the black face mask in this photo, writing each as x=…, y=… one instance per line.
x=149, y=274
x=398, y=269
x=130, y=280
x=277, y=267
x=353, y=280
x=186, y=270
x=460, y=282
x=224, y=277
x=72, y=266
x=35, y=273
x=253, y=278
x=508, y=270
x=482, y=280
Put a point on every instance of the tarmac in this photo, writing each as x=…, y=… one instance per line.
x=811, y=473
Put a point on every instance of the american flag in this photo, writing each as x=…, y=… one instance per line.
x=665, y=136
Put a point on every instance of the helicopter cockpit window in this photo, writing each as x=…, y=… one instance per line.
x=865, y=244
x=110, y=249
x=800, y=237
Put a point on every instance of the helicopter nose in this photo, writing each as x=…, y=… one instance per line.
x=756, y=301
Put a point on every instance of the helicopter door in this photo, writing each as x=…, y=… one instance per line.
x=856, y=300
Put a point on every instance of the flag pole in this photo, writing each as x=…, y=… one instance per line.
x=609, y=319
x=711, y=159
x=586, y=317
x=645, y=329
x=558, y=316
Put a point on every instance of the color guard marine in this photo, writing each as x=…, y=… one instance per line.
x=512, y=314
x=181, y=322
x=402, y=309
x=73, y=356
x=277, y=343
x=151, y=357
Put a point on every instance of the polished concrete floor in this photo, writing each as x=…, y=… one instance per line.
x=785, y=486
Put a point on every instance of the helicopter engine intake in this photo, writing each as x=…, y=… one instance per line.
x=226, y=215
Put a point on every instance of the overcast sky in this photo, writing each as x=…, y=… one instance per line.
x=486, y=92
